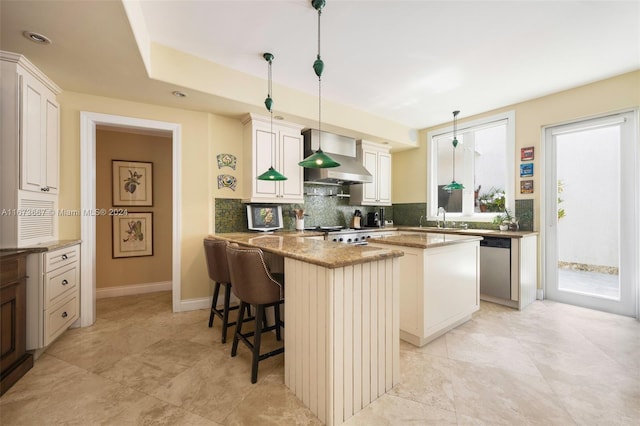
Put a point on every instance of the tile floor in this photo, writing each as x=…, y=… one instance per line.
x=551, y=364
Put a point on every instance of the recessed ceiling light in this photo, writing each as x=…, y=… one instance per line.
x=37, y=38
x=179, y=94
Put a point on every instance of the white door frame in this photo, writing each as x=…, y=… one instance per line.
x=88, y=123
x=632, y=252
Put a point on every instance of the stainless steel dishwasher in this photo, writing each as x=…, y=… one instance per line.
x=495, y=267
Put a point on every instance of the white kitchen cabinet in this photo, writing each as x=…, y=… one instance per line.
x=38, y=124
x=53, y=294
x=439, y=288
x=377, y=160
x=29, y=151
x=283, y=149
x=40, y=136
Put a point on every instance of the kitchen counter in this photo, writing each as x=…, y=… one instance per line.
x=44, y=247
x=477, y=232
x=424, y=240
x=342, y=315
x=321, y=253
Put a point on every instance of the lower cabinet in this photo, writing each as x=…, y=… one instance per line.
x=439, y=289
x=14, y=359
x=53, y=296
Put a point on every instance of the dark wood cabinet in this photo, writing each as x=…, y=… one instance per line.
x=14, y=359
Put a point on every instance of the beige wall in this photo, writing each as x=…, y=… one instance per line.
x=202, y=135
x=115, y=145
x=205, y=135
x=227, y=139
x=614, y=94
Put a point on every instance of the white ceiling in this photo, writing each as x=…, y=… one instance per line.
x=412, y=62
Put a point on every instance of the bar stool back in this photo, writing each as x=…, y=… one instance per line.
x=254, y=285
x=218, y=268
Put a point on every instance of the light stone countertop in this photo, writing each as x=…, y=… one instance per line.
x=424, y=240
x=47, y=246
x=323, y=253
x=460, y=231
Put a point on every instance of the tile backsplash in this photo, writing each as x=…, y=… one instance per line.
x=324, y=205
x=327, y=205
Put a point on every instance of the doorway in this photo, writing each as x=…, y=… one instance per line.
x=89, y=121
x=591, y=213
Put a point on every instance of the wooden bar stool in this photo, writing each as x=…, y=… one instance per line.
x=254, y=285
x=218, y=268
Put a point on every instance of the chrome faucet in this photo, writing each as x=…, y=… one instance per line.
x=421, y=217
x=444, y=217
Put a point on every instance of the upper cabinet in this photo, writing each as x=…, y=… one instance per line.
x=377, y=160
x=39, y=135
x=281, y=149
x=33, y=123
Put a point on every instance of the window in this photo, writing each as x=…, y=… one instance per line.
x=484, y=164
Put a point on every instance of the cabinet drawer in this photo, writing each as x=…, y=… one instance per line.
x=59, y=283
x=61, y=257
x=57, y=320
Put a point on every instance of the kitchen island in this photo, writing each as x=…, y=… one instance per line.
x=342, y=320
x=439, y=282
x=523, y=267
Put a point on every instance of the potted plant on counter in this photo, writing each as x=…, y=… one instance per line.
x=506, y=221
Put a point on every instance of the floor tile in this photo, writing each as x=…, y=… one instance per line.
x=140, y=363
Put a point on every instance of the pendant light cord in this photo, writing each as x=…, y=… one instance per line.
x=271, y=113
x=319, y=13
x=319, y=90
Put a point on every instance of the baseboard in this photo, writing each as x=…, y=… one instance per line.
x=194, y=304
x=540, y=294
x=204, y=302
x=129, y=290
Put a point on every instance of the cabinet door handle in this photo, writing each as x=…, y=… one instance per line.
x=64, y=314
x=64, y=257
x=65, y=282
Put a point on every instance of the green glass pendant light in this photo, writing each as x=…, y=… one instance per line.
x=454, y=185
x=271, y=173
x=319, y=160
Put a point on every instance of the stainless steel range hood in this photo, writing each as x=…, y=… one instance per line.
x=343, y=150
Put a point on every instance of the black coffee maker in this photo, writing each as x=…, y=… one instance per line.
x=373, y=220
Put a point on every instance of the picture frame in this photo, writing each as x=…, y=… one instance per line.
x=132, y=235
x=526, y=186
x=527, y=153
x=526, y=170
x=132, y=183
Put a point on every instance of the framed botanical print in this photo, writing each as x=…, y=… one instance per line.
x=132, y=183
x=133, y=235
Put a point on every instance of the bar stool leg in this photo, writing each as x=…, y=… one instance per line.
x=225, y=315
x=234, y=347
x=216, y=291
x=276, y=309
x=256, y=342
